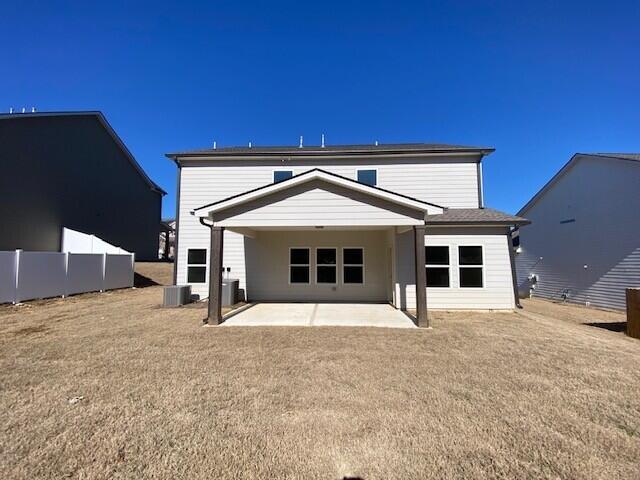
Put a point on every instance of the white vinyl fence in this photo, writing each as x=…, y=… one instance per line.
x=31, y=275
x=74, y=241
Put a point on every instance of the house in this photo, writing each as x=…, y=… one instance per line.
x=72, y=170
x=167, y=239
x=403, y=224
x=584, y=243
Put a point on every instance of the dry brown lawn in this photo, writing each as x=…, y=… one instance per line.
x=150, y=273
x=482, y=395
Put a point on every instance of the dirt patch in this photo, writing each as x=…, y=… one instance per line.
x=481, y=395
x=30, y=330
x=611, y=320
x=148, y=274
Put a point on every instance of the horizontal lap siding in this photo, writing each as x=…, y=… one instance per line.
x=497, y=292
x=268, y=266
x=317, y=207
x=447, y=183
x=601, y=197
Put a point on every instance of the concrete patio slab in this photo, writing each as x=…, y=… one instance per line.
x=321, y=314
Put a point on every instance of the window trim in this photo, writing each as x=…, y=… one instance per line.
x=432, y=265
x=325, y=265
x=308, y=265
x=482, y=266
x=342, y=265
x=273, y=174
x=375, y=169
x=205, y=265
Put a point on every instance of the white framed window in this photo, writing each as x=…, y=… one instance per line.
x=282, y=175
x=326, y=265
x=438, y=265
x=299, y=263
x=368, y=176
x=471, y=266
x=353, y=265
x=196, y=265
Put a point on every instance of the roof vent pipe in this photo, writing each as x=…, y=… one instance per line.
x=249, y=144
x=24, y=109
x=33, y=109
x=322, y=140
x=301, y=140
x=376, y=143
x=10, y=109
x=215, y=145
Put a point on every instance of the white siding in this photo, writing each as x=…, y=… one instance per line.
x=497, y=292
x=316, y=206
x=447, y=182
x=268, y=266
x=603, y=197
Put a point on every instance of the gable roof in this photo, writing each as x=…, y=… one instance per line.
x=634, y=157
x=474, y=216
x=316, y=174
x=330, y=150
x=103, y=121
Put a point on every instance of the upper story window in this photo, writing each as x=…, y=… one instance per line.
x=368, y=177
x=281, y=175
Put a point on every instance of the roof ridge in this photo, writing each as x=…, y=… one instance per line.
x=332, y=149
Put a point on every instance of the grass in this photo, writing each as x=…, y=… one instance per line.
x=482, y=395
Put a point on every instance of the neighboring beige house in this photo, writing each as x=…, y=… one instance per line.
x=584, y=243
x=350, y=223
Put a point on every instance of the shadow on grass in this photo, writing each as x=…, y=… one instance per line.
x=140, y=281
x=611, y=326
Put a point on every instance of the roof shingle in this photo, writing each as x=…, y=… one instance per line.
x=474, y=216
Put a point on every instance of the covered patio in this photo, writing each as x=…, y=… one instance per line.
x=327, y=243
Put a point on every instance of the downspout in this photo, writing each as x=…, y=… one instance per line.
x=516, y=295
x=480, y=184
x=176, y=251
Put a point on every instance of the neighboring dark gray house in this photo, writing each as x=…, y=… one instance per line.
x=72, y=170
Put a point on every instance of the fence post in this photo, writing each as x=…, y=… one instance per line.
x=104, y=271
x=133, y=269
x=633, y=312
x=16, y=266
x=66, y=274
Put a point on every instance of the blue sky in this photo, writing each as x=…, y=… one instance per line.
x=538, y=81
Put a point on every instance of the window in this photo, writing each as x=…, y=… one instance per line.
x=470, y=263
x=299, y=265
x=368, y=177
x=326, y=259
x=437, y=264
x=353, y=265
x=281, y=175
x=196, y=265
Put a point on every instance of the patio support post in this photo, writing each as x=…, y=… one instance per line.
x=215, y=276
x=422, y=319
